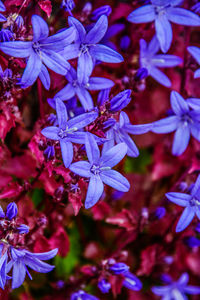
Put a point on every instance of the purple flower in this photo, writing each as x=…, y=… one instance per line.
x=176, y=289
x=81, y=295
x=163, y=12
x=119, y=132
x=131, y=282
x=2, y=8
x=184, y=121
x=152, y=61
x=120, y=101
x=195, y=52
x=68, y=131
x=119, y=268
x=88, y=49
x=11, y=210
x=40, y=52
x=191, y=202
x=104, y=285
x=141, y=74
x=102, y=10
x=74, y=87
x=99, y=170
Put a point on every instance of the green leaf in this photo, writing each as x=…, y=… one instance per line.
x=37, y=196
x=138, y=164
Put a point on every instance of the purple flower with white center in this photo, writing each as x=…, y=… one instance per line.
x=162, y=12
x=120, y=101
x=2, y=8
x=184, y=121
x=74, y=87
x=191, y=202
x=68, y=5
x=68, y=131
x=81, y=295
x=152, y=61
x=195, y=52
x=176, y=290
x=88, y=49
x=11, y=210
x=99, y=170
x=20, y=259
x=119, y=268
x=104, y=286
x=41, y=51
x=119, y=132
x=131, y=282
x=102, y=10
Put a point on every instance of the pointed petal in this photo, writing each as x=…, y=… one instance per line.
x=110, y=143
x=142, y=14
x=82, y=120
x=44, y=77
x=166, y=60
x=2, y=6
x=178, y=103
x=40, y=28
x=181, y=140
x=98, y=83
x=159, y=76
x=195, y=52
x=163, y=32
x=67, y=152
x=185, y=219
x=165, y=125
x=196, y=186
x=76, y=137
x=137, y=129
x=192, y=290
x=85, y=67
x=179, y=198
x=66, y=93
x=55, y=62
x=81, y=168
x=160, y=290
x=132, y=149
x=17, y=48
x=182, y=16
x=51, y=132
x=37, y=265
x=44, y=255
x=18, y=274
x=197, y=74
x=92, y=149
x=94, y=192
x=106, y=54
x=195, y=130
x=194, y=103
x=98, y=31
x=115, y=180
x=81, y=32
x=61, y=113
x=60, y=40
x=32, y=70
x=2, y=18
x=113, y=156
x=153, y=46
x=184, y=279
x=85, y=98
x=71, y=51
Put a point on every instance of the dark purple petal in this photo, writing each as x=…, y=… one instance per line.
x=11, y=210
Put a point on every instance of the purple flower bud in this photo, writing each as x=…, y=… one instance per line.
x=116, y=195
x=159, y=213
x=87, y=8
x=68, y=5
x=23, y=229
x=49, y=152
x=102, y=10
x=183, y=186
x=120, y=101
x=2, y=214
x=132, y=282
x=19, y=22
x=52, y=119
x=8, y=73
x=192, y=241
x=11, y=211
x=104, y=286
x=125, y=42
x=60, y=284
x=197, y=228
x=119, y=268
x=109, y=123
x=141, y=74
x=103, y=96
x=166, y=278
x=196, y=8
x=6, y=35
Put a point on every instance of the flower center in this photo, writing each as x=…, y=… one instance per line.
x=95, y=169
x=194, y=202
x=186, y=119
x=36, y=47
x=64, y=132
x=84, y=48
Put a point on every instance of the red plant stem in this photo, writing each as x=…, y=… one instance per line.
x=41, y=105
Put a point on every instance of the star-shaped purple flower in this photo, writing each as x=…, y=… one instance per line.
x=88, y=49
x=176, y=290
x=99, y=170
x=74, y=87
x=152, y=61
x=41, y=51
x=162, y=12
x=191, y=202
x=185, y=121
x=119, y=132
x=68, y=131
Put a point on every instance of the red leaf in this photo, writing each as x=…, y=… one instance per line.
x=123, y=219
x=76, y=200
x=11, y=191
x=60, y=240
x=46, y=6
